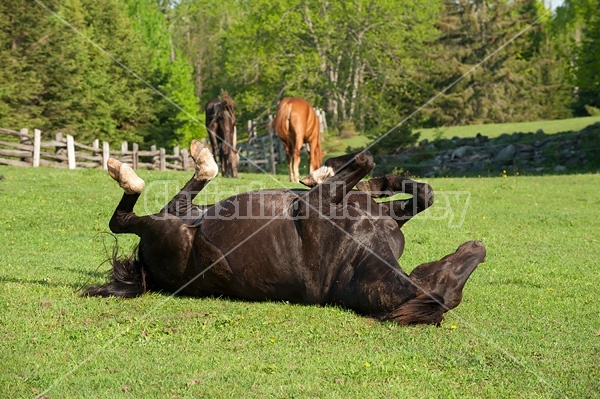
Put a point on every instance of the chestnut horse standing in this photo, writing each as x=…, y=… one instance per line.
x=220, y=123
x=296, y=123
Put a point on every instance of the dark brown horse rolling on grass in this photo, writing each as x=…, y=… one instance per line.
x=326, y=246
x=297, y=123
x=220, y=124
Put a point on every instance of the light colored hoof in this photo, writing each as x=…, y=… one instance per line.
x=318, y=176
x=206, y=167
x=123, y=174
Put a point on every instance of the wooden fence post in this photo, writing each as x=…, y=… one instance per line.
x=272, y=151
x=163, y=160
x=135, y=155
x=37, y=144
x=24, y=135
x=105, y=155
x=184, y=159
x=177, y=153
x=24, y=139
x=71, y=151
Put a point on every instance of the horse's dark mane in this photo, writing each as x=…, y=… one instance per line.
x=425, y=308
x=127, y=279
x=226, y=103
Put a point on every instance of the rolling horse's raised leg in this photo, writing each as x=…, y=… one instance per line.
x=329, y=168
x=400, y=210
x=205, y=170
x=123, y=219
x=164, y=247
x=333, y=190
x=389, y=185
x=128, y=276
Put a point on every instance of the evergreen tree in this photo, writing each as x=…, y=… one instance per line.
x=179, y=119
x=79, y=72
x=512, y=84
x=588, y=65
x=23, y=27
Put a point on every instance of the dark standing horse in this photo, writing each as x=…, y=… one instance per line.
x=296, y=123
x=326, y=245
x=220, y=123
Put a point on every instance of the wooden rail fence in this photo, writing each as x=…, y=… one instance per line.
x=259, y=151
x=24, y=149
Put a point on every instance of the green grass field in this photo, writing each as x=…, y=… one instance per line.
x=528, y=327
x=496, y=129
x=491, y=130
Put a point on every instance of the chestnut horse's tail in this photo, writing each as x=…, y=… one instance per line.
x=423, y=309
x=281, y=123
x=127, y=279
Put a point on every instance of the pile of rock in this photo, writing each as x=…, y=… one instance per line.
x=531, y=153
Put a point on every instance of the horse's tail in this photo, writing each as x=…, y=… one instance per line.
x=281, y=123
x=425, y=308
x=127, y=279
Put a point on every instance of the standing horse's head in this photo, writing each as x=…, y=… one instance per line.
x=226, y=135
x=231, y=157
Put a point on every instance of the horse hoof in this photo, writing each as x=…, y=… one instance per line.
x=206, y=167
x=318, y=176
x=122, y=173
x=364, y=159
x=114, y=165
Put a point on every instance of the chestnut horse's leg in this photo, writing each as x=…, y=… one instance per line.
x=295, y=160
x=205, y=170
x=297, y=131
x=400, y=210
x=284, y=132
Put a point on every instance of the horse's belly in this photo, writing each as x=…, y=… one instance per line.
x=257, y=259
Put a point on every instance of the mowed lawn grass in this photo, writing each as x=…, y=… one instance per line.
x=528, y=327
x=496, y=129
x=491, y=130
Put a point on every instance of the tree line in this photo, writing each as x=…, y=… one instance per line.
x=141, y=70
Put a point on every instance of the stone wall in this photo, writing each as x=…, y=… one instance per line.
x=524, y=153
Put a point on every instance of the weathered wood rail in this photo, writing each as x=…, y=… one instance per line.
x=24, y=149
x=21, y=148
